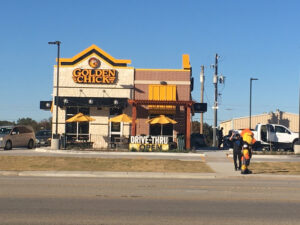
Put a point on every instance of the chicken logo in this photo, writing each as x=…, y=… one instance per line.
x=94, y=62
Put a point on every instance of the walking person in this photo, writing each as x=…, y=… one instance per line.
x=237, y=143
x=220, y=137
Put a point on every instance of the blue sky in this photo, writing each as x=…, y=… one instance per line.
x=257, y=38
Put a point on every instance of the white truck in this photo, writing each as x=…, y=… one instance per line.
x=274, y=137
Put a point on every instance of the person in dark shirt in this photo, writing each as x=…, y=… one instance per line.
x=220, y=137
x=237, y=143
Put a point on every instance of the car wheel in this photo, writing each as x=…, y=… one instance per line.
x=293, y=146
x=8, y=145
x=30, y=144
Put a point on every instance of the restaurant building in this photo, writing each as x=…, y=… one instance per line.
x=102, y=87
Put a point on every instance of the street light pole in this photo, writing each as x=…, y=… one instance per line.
x=55, y=136
x=251, y=79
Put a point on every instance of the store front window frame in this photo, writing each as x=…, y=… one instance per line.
x=83, y=127
x=167, y=129
x=117, y=132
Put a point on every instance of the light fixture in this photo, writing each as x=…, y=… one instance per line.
x=48, y=105
x=66, y=101
x=116, y=102
x=91, y=101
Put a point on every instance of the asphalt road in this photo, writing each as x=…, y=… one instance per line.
x=40, y=200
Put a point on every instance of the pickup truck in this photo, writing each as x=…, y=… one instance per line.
x=275, y=137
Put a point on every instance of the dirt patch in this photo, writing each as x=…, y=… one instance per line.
x=42, y=163
x=289, y=168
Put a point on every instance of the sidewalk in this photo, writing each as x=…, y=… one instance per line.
x=221, y=164
x=219, y=160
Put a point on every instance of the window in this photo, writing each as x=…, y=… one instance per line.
x=161, y=129
x=81, y=128
x=279, y=129
x=115, y=128
x=5, y=130
x=270, y=128
x=15, y=130
x=24, y=130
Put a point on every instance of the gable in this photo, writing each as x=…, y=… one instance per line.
x=94, y=50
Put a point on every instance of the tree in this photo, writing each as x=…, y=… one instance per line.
x=6, y=123
x=195, y=127
x=29, y=122
x=45, y=124
x=207, y=131
x=208, y=134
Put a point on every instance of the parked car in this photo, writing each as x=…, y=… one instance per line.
x=275, y=136
x=197, y=140
x=16, y=136
x=43, y=138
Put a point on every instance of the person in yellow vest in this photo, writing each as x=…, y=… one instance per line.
x=246, y=156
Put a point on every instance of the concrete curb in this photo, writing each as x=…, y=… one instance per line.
x=266, y=156
x=95, y=174
x=141, y=175
x=121, y=153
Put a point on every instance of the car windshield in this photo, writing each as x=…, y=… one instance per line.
x=5, y=130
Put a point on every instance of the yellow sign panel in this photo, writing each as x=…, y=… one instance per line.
x=95, y=76
x=149, y=147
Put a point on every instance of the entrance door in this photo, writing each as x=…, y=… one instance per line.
x=115, y=129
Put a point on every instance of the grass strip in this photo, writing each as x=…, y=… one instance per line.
x=288, y=168
x=44, y=163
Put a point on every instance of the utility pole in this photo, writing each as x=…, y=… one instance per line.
x=215, y=107
x=201, y=99
x=250, y=105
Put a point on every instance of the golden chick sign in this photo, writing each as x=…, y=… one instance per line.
x=95, y=75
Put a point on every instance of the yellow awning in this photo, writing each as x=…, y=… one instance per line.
x=162, y=93
x=80, y=117
x=121, y=118
x=161, y=119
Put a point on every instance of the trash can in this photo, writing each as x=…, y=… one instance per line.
x=181, y=142
x=54, y=144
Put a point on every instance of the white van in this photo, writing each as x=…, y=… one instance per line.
x=16, y=136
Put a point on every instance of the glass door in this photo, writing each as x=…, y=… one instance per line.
x=115, y=129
